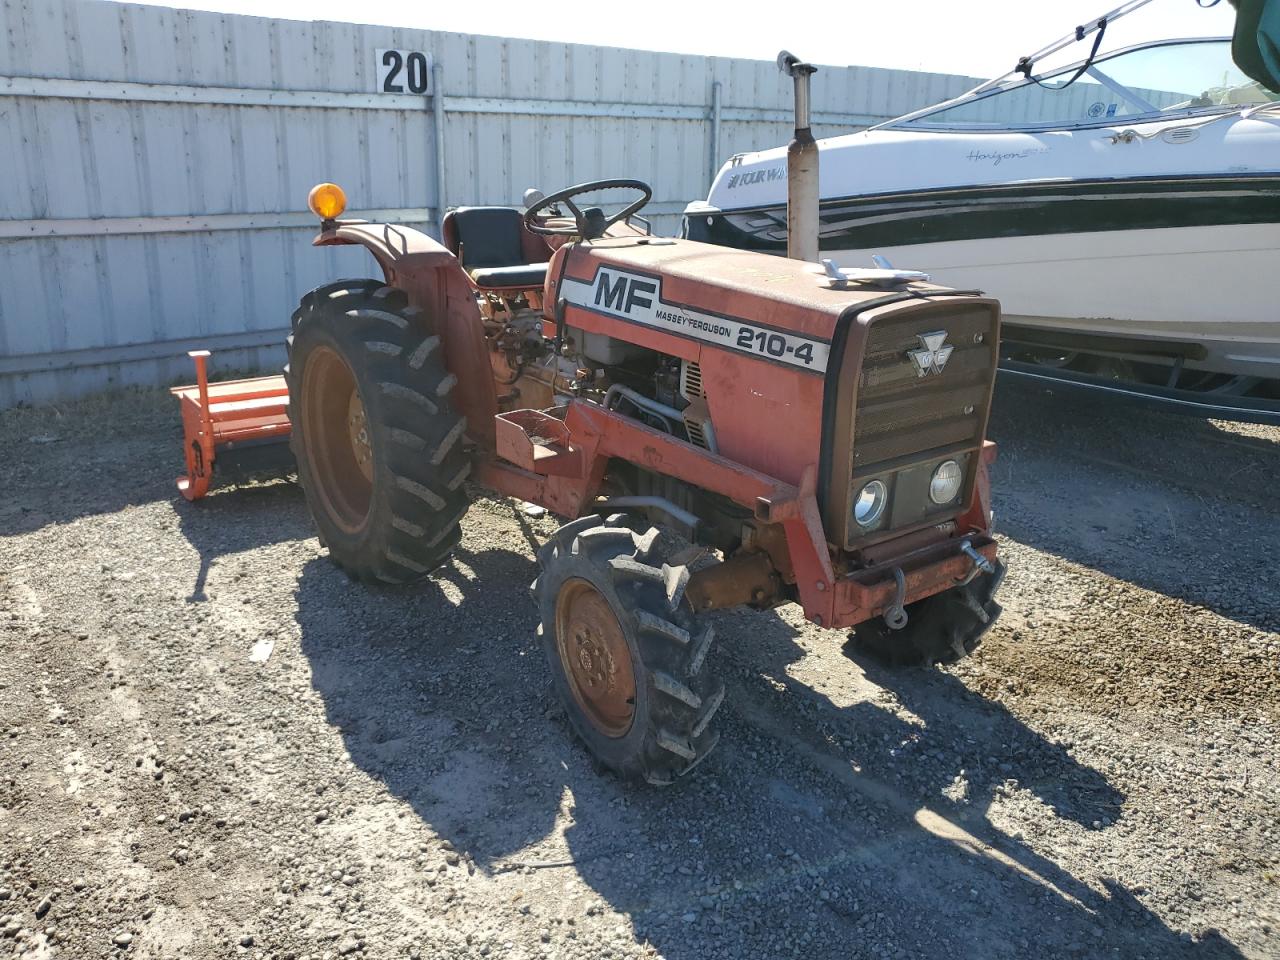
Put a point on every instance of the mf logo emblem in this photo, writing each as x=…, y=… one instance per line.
x=623, y=293
x=932, y=354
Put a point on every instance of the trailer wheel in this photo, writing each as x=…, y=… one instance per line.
x=627, y=654
x=377, y=442
x=944, y=628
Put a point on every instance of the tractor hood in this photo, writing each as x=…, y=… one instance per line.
x=771, y=308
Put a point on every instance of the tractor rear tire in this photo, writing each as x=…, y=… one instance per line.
x=944, y=628
x=378, y=444
x=627, y=653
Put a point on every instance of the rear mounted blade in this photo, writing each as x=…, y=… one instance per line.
x=242, y=425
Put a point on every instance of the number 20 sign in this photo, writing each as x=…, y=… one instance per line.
x=403, y=71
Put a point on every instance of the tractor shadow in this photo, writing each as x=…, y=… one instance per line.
x=457, y=689
x=1169, y=503
x=815, y=826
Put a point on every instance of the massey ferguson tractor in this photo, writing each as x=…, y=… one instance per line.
x=717, y=427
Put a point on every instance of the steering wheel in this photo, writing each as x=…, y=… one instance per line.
x=589, y=224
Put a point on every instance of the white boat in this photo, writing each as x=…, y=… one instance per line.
x=1127, y=206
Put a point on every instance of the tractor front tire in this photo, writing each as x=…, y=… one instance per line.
x=944, y=628
x=627, y=653
x=378, y=444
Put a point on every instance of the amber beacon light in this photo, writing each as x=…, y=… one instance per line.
x=327, y=201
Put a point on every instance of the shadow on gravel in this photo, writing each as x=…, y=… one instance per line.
x=816, y=830
x=99, y=455
x=430, y=683
x=1166, y=502
x=56, y=483
x=236, y=519
x=87, y=457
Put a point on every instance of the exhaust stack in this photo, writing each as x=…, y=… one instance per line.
x=802, y=167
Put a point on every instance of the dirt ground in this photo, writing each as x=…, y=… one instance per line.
x=212, y=744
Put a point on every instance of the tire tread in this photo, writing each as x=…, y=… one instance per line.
x=628, y=569
x=418, y=499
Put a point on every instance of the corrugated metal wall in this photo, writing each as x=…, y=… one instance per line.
x=156, y=163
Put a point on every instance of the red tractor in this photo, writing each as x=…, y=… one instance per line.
x=820, y=438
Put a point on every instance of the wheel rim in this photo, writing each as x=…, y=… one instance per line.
x=595, y=658
x=338, y=447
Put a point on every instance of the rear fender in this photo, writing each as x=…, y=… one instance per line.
x=434, y=280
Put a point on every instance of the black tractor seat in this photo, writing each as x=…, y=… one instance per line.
x=490, y=243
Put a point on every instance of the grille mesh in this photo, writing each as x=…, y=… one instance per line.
x=691, y=379
x=691, y=389
x=901, y=415
x=697, y=436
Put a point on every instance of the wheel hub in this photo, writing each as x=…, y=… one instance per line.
x=358, y=431
x=338, y=447
x=597, y=662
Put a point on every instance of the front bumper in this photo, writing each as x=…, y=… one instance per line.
x=869, y=593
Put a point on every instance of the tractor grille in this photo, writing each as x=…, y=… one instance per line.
x=902, y=416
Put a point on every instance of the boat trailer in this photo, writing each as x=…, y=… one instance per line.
x=1143, y=372
x=1208, y=404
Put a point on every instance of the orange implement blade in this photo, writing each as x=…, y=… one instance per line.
x=216, y=414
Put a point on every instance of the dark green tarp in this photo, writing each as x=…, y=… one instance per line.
x=1255, y=47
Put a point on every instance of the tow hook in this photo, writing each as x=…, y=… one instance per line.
x=980, y=563
x=895, y=615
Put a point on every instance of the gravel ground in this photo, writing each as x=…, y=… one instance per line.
x=213, y=745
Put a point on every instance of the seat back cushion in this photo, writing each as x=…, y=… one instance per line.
x=489, y=236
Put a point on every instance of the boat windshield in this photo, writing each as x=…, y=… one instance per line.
x=1170, y=78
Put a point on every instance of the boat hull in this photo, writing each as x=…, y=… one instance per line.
x=1214, y=286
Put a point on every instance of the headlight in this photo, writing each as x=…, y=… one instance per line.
x=946, y=482
x=869, y=503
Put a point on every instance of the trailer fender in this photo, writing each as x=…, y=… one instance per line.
x=434, y=281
